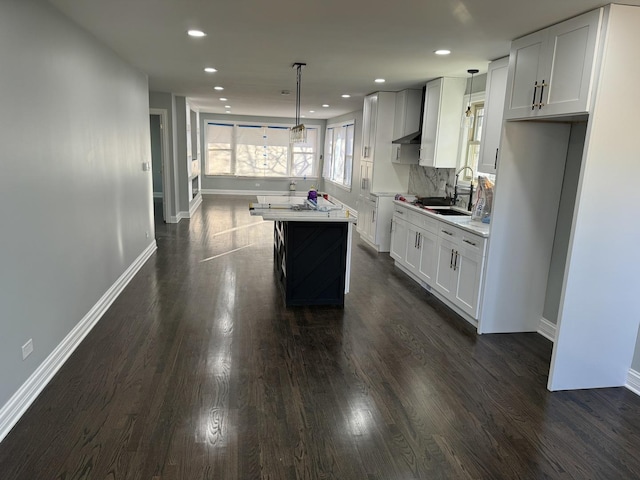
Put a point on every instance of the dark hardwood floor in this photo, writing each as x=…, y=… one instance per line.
x=197, y=371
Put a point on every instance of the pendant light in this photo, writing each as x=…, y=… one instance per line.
x=467, y=119
x=298, y=134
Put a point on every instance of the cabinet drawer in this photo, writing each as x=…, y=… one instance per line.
x=466, y=242
x=424, y=222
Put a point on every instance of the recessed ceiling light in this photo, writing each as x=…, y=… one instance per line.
x=222, y=99
x=312, y=111
x=325, y=105
x=442, y=52
x=210, y=70
x=196, y=33
x=346, y=96
x=218, y=88
x=227, y=106
x=379, y=80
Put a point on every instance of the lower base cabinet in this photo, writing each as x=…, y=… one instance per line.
x=448, y=259
x=459, y=268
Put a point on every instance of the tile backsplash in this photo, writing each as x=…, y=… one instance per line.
x=431, y=182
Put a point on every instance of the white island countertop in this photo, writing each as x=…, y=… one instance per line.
x=288, y=208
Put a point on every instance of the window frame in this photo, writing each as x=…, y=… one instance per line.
x=236, y=124
x=348, y=157
x=467, y=136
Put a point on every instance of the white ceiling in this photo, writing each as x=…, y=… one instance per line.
x=346, y=44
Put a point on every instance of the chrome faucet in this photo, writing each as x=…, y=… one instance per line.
x=455, y=188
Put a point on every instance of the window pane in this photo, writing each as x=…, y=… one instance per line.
x=218, y=160
x=339, y=155
x=349, y=156
x=304, y=155
x=262, y=151
x=328, y=157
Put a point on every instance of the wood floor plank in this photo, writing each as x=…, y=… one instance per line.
x=198, y=371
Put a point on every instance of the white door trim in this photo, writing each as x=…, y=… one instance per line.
x=168, y=174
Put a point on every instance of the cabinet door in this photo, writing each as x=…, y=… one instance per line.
x=569, y=65
x=494, y=110
x=369, y=119
x=366, y=171
x=412, y=258
x=444, y=267
x=467, y=274
x=523, y=83
x=430, y=123
x=364, y=218
x=373, y=238
x=398, y=249
x=428, y=247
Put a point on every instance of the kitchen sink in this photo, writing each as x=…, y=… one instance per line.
x=447, y=211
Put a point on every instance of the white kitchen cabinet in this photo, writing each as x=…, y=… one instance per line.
x=459, y=268
x=374, y=220
x=598, y=315
x=442, y=116
x=448, y=259
x=493, y=114
x=366, y=219
x=551, y=71
x=377, y=134
x=380, y=178
x=398, y=248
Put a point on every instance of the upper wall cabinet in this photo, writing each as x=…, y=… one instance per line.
x=551, y=71
x=443, y=106
x=493, y=113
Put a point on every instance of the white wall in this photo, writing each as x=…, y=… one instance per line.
x=74, y=201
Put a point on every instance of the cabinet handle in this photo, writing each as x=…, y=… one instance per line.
x=415, y=242
x=495, y=164
x=419, y=240
x=398, y=152
x=447, y=233
x=366, y=152
x=533, y=101
x=399, y=212
x=455, y=264
x=451, y=260
x=373, y=216
x=542, y=85
x=469, y=242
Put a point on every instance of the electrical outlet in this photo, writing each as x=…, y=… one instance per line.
x=147, y=233
x=257, y=184
x=27, y=349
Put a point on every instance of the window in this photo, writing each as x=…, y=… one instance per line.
x=338, y=153
x=258, y=151
x=472, y=136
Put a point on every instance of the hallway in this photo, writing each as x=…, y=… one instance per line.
x=197, y=371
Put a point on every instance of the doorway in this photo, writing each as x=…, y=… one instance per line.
x=160, y=167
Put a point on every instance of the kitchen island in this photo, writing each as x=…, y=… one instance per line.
x=312, y=248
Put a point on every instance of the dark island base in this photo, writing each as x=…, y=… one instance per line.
x=310, y=261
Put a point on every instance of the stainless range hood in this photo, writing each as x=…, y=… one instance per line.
x=412, y=138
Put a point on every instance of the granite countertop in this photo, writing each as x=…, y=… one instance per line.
x=463, y=222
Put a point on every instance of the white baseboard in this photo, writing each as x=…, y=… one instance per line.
x=633, y=381
x=11, y=412
x=196, y=202
x=547, y=329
